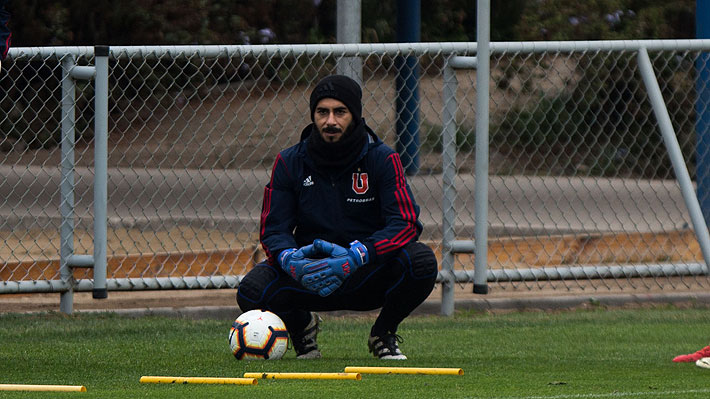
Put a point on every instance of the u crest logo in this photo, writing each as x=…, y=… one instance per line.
x=360, y=183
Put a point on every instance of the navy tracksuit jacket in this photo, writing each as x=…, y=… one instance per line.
x=369, y=201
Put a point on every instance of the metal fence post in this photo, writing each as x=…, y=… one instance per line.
x=349, y=26
x=68, y=259
x=450, y=246
x=480, y=281
x=66, y=206
x=448, y=156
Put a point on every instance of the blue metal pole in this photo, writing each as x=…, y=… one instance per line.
x=702, y=109
x=101, y=54
x=407, y=83
x=483, y=76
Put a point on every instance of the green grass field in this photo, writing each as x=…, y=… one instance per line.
x=576, y=354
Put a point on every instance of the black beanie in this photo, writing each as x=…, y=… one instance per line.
x=341, y=88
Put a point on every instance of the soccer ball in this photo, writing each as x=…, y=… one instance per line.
x=258, y=334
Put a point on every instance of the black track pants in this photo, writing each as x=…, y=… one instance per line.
x=397, y=287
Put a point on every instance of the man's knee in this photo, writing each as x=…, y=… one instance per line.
x=422, y=259
x=252, y=288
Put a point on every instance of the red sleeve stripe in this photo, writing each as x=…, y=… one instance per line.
x=402, y=238
x=8, y=41
x=385, y=246
x=266, y=206
x=403, y=198
x=398, y=170
x=264, y=213
x=276, y=163
x=406, y=210
x=407, y=231
x=268, y=254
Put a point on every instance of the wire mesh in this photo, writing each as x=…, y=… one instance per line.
x=579, y=175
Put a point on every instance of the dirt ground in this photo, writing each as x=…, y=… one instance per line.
x=219, y=259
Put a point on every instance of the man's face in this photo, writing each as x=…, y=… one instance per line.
x=332, y=118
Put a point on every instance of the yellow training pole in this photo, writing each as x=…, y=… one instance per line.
x=405, y=370
x=305, y=376
x=52, y=388
x=197, y=380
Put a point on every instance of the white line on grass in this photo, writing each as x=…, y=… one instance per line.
x=606, y=395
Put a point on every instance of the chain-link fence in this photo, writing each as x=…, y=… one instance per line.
x=579, y=174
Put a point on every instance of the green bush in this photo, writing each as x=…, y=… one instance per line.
x=606, y=20
x=605, y=125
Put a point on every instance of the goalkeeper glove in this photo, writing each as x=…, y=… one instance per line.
x=293, y=260
x=323, y=275
x=328, y=274
x=357, y=253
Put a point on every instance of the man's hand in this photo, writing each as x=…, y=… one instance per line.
x=357, y=253
x=326, y=275
x=293, y=260
x=314, y=274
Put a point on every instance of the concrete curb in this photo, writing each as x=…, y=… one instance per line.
x=433, y=307
x=570, y=302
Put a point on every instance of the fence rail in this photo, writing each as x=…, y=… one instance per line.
x=581, y=188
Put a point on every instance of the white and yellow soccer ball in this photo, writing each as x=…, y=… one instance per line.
x=258, y=334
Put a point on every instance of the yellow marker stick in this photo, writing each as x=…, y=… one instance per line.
x=197, y=380
x=405, y=370
x=52, y=388
x=305, y=376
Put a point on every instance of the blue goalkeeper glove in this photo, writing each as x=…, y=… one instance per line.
x=322, y=276
x=313, y=274
x=328, y=274
x=357, y=253
x=293, y=261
